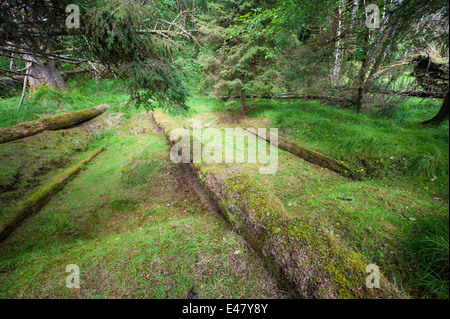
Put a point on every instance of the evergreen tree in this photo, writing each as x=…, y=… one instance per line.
x=133, y=39
x=236, y=62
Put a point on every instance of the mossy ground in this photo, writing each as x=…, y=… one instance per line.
x=117, y=227
x=260, y=217
x=378, y=216
x=134, y=229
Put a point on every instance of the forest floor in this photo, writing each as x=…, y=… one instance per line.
x=137, y=226
x=140, y=226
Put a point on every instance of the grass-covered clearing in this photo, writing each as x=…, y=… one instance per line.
x=134, y=228
x=401, y=201
x=114, y=222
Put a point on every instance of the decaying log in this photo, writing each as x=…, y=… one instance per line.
x=38, y=199
x=51, y=123
x=307, y=154
x=305, y=261
x=289, y=96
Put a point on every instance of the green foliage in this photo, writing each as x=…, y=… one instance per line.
x=236, y=61
x=123, y=37
x=430, y=248
x=288, y=17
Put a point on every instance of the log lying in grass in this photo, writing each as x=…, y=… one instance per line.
x=288, y=96
x=308, y=155
x=38, y=199
x=306, y=260
x=51, y=123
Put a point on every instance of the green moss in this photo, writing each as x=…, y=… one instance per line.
x=41, y=196
x=262, y=220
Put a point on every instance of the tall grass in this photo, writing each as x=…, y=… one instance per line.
x=430, y=248
x=395, y=146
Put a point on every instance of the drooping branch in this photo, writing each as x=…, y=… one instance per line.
x=47, y=55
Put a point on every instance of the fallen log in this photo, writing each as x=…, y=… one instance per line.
x=38, y=199
x=307, y=154
x=421, y=94
x=406, y=93
x=306, y=261
x=288, y=96
x=411, y=93
x=51, y=123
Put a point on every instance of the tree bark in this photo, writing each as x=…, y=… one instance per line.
x=45, y=74
x=362, y=77
x=360, y=98
x=336, y=72
x=442, y=115
x=8, y=134
x=243, y=101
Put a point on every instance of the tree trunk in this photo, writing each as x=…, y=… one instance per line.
x=336, y=72
x=361, y=86
x=45, y=74
x=51, y=123
x=442, y=115
x=243, y=101
x=362, y=77
x=307, y=154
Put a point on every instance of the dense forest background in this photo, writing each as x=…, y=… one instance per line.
x=365, y=83
x=338, y=49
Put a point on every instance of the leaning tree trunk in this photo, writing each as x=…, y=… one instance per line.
x=45, y=74
x=442, y=115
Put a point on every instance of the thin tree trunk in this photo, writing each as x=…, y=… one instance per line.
x=354, y=10
x=336, y=73
x=25, y=79
x=243, y=101
x=442, y=115
x=361, y=85
x=362, y=76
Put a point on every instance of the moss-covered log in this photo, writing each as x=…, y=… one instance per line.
x=307, y=261
x=308, y=155
x=38, y=199
x=8, y=134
